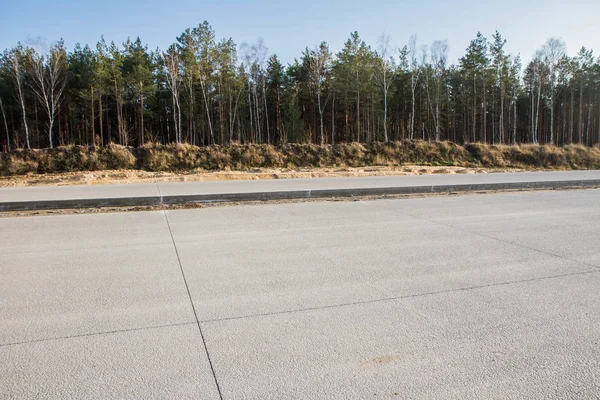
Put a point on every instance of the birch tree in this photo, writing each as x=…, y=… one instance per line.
x=414, y=79
x=584, y=61
x=246, y=67
x=318, y=65
x=5, y=124
x=439, y=57
x=48, y=75
x=172, y=62
x=385, y=75
x=536, y=95
x=16, y=68
x=254, y=56
x=514, y=79
x=261, y=51
x=552, y=53
x=202, y=94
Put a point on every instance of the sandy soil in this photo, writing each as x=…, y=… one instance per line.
x=136, y=176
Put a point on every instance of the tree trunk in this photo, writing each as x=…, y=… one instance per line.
x=333, y=120
x=173, y=100
x=19, y=84
x=580, y=111
x=250, y=110
x=412, y=114
x=22, y=101
x=232, y=123
x=37, y=124
x=141, y=114
x=221, y=119
x=100, y=119
x=278, y=116
x=108, y=127
x=50, y=126
x=494, y=117
x=93, y=118
x=5, y=126
x=598, y=138
x=551, y=112
x=210, y=129
x=385, y=106
x=357, y=109
x=589, y=121
x=257, y=116
x=437, y=121
x=532, y=114
x=190, y=121
x=571, y=112
x=515, y=122
x=119, y=117
x=320, y=115
x=474, y=106
x=484, y=115
x=179, y=132
x=346, y=126
x=266, y=111
x=564, y=124
x=537, y=113
x=501, y=125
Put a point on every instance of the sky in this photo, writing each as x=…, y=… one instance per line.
x=289, y=27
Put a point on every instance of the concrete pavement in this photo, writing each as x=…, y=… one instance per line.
x=490, y=296
x=31, y=198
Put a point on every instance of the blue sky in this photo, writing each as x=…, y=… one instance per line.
x=289, y=27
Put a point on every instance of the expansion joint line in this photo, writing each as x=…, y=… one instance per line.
x=522, y=246
x=160, y=202
x=193, y=308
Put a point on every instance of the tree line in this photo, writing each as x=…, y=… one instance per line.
x=204, y=91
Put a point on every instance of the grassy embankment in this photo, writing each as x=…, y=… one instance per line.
x=157, y=157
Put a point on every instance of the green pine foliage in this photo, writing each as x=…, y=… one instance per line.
x=207, y=91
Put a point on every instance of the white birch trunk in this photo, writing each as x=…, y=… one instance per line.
x=16, y=72
x=5, y=125
x=266, y=111
x=210, y=129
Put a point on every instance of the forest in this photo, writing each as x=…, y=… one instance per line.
x=203, y=90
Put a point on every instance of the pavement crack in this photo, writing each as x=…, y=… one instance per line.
x=194, y=308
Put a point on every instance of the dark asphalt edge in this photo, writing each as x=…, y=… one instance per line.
x=286, y=195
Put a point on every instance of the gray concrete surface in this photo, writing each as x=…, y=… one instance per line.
x=41, y=193
x=158, y=363
x=490, y=296
x=32, y=198
x=92, y=290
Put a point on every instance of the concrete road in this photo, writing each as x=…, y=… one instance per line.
x=488, y=296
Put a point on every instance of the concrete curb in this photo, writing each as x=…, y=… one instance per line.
x=287, y=195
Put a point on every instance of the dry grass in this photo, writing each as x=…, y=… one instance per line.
x=185, y=157
x=66, y=159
